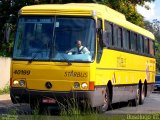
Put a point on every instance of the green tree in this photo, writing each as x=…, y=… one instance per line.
x=9, y=10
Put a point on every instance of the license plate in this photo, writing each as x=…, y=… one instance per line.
x=48, y=100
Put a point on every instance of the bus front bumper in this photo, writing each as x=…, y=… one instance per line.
x=21, y=95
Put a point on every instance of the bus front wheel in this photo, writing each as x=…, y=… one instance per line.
x=106, y=103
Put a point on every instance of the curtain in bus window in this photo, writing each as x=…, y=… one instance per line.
x=119, y=40
x=115, y=37
x=140, y=44
x=133, y=38
x=151, y=47
x=109, y=30
x=146, y=45
x=126, y=35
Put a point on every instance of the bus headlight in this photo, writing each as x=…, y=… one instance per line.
x=76, y=85
x=84, y=86
x=15, y=82
x=22, y=83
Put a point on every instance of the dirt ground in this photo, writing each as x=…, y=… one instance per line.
x=5, y=99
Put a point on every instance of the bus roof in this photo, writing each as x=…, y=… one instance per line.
x=85, y=9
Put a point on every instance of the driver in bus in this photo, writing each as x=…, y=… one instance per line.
x=79, y=49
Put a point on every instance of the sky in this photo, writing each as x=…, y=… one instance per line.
x=153, y=13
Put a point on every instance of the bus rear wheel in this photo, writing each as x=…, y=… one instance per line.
x=142, y=95
x=106, y=103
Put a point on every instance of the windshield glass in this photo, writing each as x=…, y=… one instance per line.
x=55, y=38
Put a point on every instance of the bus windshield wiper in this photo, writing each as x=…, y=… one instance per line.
x=35, y=55
x=65, y=58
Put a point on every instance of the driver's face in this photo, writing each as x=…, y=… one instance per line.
x=78, y=43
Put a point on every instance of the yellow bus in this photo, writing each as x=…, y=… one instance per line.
x=120, y=65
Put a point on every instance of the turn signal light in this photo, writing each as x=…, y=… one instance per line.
x=91, y=85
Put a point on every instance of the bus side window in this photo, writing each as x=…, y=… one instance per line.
x=146, y=45
x=151, y=47
x=115, y=38
x=126, y=36
x=119, y=38
x=109, y=31
x=140, y=44
x=135, y=42
x=133, y=39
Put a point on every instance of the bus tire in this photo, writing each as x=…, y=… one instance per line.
x=136, y=101
x=16, y=100
x=107, y=101
x=142, y=95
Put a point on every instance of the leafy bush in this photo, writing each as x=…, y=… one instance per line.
x=5, y=90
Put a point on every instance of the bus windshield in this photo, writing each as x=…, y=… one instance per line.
x=49, y=38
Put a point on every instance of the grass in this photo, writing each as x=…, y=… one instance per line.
x=80, y=117
x=72, y=117
x=5, y=90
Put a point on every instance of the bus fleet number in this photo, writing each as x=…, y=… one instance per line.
x=22, y=72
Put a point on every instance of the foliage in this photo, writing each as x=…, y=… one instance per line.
x=9, y=117
x=5, y=90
